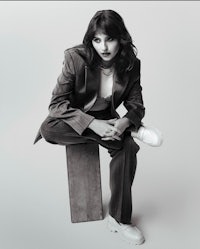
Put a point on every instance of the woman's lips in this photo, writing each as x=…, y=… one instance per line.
x=105, y=54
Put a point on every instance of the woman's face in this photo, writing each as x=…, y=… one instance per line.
x=105, y=46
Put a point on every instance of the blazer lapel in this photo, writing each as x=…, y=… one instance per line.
x=92, y=82
x=119, y=86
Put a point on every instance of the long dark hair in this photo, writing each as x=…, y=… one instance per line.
x=113, y=25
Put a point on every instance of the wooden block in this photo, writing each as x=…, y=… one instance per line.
x=84, y=180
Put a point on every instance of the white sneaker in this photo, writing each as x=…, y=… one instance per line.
x=148, y=135
x=129, y=233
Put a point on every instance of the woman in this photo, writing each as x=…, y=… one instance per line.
x=97, y=76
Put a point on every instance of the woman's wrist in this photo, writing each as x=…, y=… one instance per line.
x=126, y=122
x=91, y=124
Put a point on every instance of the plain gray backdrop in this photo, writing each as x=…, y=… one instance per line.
x=34, y=201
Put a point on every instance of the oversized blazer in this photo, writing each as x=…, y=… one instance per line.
x=77, y=89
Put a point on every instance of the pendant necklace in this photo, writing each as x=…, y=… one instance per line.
x=107, y=71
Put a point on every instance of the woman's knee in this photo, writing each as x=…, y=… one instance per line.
x=56, y=131
x=49, y=129
x=45, y=131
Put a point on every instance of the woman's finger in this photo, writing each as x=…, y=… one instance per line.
x=107, y=138
x=113, y=131
x=114, y=137
x=111, y=121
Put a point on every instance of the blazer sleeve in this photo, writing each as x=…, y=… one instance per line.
x=134, y=102
x=60, y=106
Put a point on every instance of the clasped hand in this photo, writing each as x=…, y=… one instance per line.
x=109, y=129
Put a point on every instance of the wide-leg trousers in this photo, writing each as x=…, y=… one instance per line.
x=122, y=165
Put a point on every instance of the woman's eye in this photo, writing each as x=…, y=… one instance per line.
x=97, y=40
x=110, y=39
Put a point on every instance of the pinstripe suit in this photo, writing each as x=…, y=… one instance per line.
x=70, y=113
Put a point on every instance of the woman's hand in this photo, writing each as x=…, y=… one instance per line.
x=120, y=124
x=106, y=129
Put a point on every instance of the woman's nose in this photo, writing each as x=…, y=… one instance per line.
x=104, y=46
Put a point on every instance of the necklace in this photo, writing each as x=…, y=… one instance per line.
x=107, y=71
